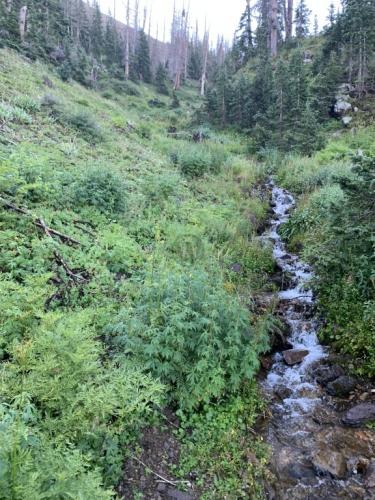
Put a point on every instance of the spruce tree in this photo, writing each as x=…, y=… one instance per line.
x=112, y=45
x=161, y=78
x=96, y=33
x=244, y=36
x=195, y=64
x=331, y=15
x=302, y=19
x=142, y=58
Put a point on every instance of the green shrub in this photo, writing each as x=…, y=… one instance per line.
x=11, y=113
x=195, y=160
x=158, y=189
x=26, y=103
x=120, y=253
x=187, y=331
x=84, y=122
x=102, y=189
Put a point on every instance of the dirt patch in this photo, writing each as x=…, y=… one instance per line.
x=147, y=474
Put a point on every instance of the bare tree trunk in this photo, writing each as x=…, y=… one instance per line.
x=273, y=23
x=136, y=20
x=23, y=22
x=127, y=42
x=206, y=45
x=289, y=20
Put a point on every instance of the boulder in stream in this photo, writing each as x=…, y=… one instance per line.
x=325, y=374
x=359, y=415
x=294, y=356
x=330, y=462
x=342, y=386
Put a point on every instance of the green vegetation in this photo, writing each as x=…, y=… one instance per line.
x=117, y=285
x=334, y=225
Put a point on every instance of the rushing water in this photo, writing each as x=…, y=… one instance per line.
x=304, y=421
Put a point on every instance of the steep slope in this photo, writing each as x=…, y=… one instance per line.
x=128, y=263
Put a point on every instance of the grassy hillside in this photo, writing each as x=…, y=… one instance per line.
x=128, y=269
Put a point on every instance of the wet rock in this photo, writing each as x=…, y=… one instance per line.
x=326, y=374
x=283, y=392
x=370, y=475
x=359, y=415
x=342, y=386
x=294, y=356
x=301, y=471
x=330, y=462
x=266, y=362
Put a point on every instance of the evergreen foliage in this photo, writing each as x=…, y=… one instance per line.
x=142, y=59
x=161, y=79
x=302, y=19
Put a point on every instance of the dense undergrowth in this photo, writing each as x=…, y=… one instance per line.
x=128, y=264
x=334, y=224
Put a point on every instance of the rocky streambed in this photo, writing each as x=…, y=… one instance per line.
x=319, y=428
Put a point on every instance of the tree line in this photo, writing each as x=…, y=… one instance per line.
x=279, y=82
x=86, y=45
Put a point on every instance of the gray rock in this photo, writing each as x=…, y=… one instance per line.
x=370, y=475
x=294, y=356
x=342, y=386
x=342, y=106
x=346, y=120
x=283, y=392
x=330, y=462
x=325, y=374
x=359, y=415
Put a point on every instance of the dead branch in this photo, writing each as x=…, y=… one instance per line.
x=77, y=278
x=39, y=222
x=163, y=479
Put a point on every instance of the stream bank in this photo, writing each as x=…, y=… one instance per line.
x=322, y=446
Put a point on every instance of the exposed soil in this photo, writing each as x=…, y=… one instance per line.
x=148, y=472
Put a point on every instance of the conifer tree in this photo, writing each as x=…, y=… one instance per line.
x=161, y=78
x=96, y=33
x=142, y=58
x=195, y=64
x=244, y=36
x=331, y=15
x=302, y=19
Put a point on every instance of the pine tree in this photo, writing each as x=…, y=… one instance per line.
x=331, y=15
x=316, y=26
x=96, y=33
x=195, y=64
x=302, y=19
x=244, y=36
x=142, y=58
x=161, y=78
x=112, y=44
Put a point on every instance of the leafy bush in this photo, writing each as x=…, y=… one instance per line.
x=26, y=103
x=102, y=189
x=338, y=227
x=12, y=113
x=191, y=334
x=84, y=122
x=195, y=160
x=158, y=189
x=120, y=253
x=75, y=396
